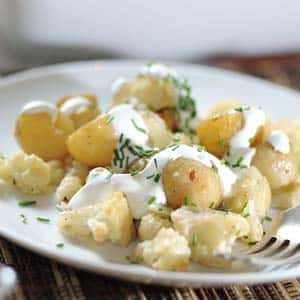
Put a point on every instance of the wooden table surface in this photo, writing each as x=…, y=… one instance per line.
x=41, y=278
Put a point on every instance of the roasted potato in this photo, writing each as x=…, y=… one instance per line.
x=82, y=113
x=279, y=169
x=155, y=93
x=37, y=134
x=215, y=133
x=222, y=108
x=160, y=136
x=187, y=180
x=93, y=143
x=169, y=116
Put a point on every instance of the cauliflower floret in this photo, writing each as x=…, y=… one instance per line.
x=28, y=172
x=150, y=225
x=68, y=187
x=168, y=251
x=57, y=171
x=252, y=199
x=72, y=182
x=209, y=232
x=110, y=220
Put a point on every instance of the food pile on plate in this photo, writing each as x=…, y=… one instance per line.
x=152, y=171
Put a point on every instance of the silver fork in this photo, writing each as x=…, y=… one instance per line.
x=280, y=247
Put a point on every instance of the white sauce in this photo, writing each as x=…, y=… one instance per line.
x=117, y=84
x=253, y=119
x=128, y=125
x=139, y=188
x=36, y=107
x=158, y=71
x=75, y=105
x=279, y=141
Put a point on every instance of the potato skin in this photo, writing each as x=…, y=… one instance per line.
x=185, y=177
x=169, y=116
x=159, y=135
x=215, y=133
x=36, y=134
x=93, y=143
x=87, y=115
x=155, y=93
x=279, y=169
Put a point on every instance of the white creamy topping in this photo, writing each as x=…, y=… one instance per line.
x=147, y=183
x=35, y=107
x=75, y=105
x=279, y=141
x=117, y=84
x=131, y=132
x=253, y=119
x=158, y=71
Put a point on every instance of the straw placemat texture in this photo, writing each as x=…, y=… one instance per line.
x=41, y=278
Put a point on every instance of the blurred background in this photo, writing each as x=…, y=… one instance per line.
x=228, y=33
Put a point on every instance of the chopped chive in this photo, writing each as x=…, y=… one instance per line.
x=194, y=239
x=201, y=148
x=60, y=245
x=267, y=218
x=133, y=172
x=150, y=176
x=121, y=138
x=251, y=140
x=14, y=181
x=157, y=177
x=155, y=162
x=174, y=147
x=135, y=260
x=151, y=200
x=110, y=120
x=43, y=220
x=222, y=143
x=23, y=218
x=246, y=215
x=238, y=163
x=212, y=205
x=137, y=127
x=26, y=203
x=239, y=109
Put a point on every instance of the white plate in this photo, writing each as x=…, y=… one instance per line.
x=49, y=83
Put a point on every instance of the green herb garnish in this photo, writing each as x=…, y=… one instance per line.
x=110, y=120
x=135, y=260
x=222, y=143
x=212, y=205
x=60, y=245
x=14, y=181
x=23, y=218
x=137, y=127
x=238, y=163
x=214, y=167
x=133, y=172
x=43, y=220
x=194, y=240
x=151, y=200
x=252, y=243
x=26, y=203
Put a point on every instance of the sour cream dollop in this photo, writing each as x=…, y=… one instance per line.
x=147, y=183
x=279, y=141
x=75, y=105
x=35, y=107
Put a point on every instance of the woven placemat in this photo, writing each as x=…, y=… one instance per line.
x=41, y=278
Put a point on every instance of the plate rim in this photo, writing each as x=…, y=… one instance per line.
x=129, y=272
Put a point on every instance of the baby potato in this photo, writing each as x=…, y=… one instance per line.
x=37, y=134
x=279, y=169
x=93, y=143
x=222, y=108
x=189, y=180
x=80, y=113
x=155, y=93
x=215, y=134
x=159, y=135
x=169, y=116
